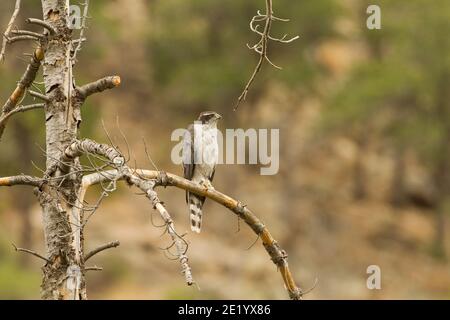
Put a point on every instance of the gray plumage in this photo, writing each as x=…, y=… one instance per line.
x=200, y=155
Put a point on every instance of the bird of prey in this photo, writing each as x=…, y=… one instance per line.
x=200, y=156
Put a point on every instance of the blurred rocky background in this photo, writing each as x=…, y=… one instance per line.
x=364, y=121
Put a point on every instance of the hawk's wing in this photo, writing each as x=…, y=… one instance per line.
x=188, y=155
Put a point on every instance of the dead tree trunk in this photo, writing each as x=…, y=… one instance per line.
x=63, y=276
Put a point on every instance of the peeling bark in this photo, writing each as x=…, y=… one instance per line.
x=63, y=278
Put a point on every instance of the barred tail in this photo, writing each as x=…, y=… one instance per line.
x=195, y=209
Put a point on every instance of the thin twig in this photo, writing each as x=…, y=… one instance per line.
x=42, y=24
x=261, y=46
x=6, y=117
x=30, y=252
x=93, y=268
x=83, y=27
x=148, y=155
x=8, y=29
x=27, y=33
x=92, y=253
x=110, y=139
x=316, y=281
x=39, y=95
x=180, y=243
x=124, y=137
x=21, y=38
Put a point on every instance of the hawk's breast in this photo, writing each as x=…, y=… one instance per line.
x=208, y=152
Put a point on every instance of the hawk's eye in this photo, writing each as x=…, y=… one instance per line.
x=206, y=117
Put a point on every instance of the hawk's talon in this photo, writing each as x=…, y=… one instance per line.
x=207, y=185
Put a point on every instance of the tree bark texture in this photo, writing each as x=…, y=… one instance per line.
x=63, y=278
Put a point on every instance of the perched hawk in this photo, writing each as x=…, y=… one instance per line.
x=200, y=155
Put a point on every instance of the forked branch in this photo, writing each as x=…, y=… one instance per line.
x=180, y=244
x=8, y=30
x=5, y=118
x=81, y=38
x=27, y=33
x=146, y=180
x=24, y=83
x=22, y=38
x=261, y=46
x=41, y=23
x=277, y=255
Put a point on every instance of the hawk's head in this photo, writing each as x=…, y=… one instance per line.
x=209, y=117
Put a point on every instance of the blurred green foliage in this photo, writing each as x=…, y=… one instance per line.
x=198, y=52
x=399, y=89
x=400, y=95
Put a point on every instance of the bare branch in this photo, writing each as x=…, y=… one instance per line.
x=27, y=33
x=180, y=243
x=8, y=29
x=99, y=86
x=30, y=252
x=79, y=147
x=21, y=38
x=42, y=24
x=261, y=47
x=38, y=95
x=278, y=255
x=21, y=180
x=147, y=188
x=146, y=180
x=6, y=117
x=26, y=80
x=92, y=253
x=24, y=83
x=94, y=268
x=80, y=40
